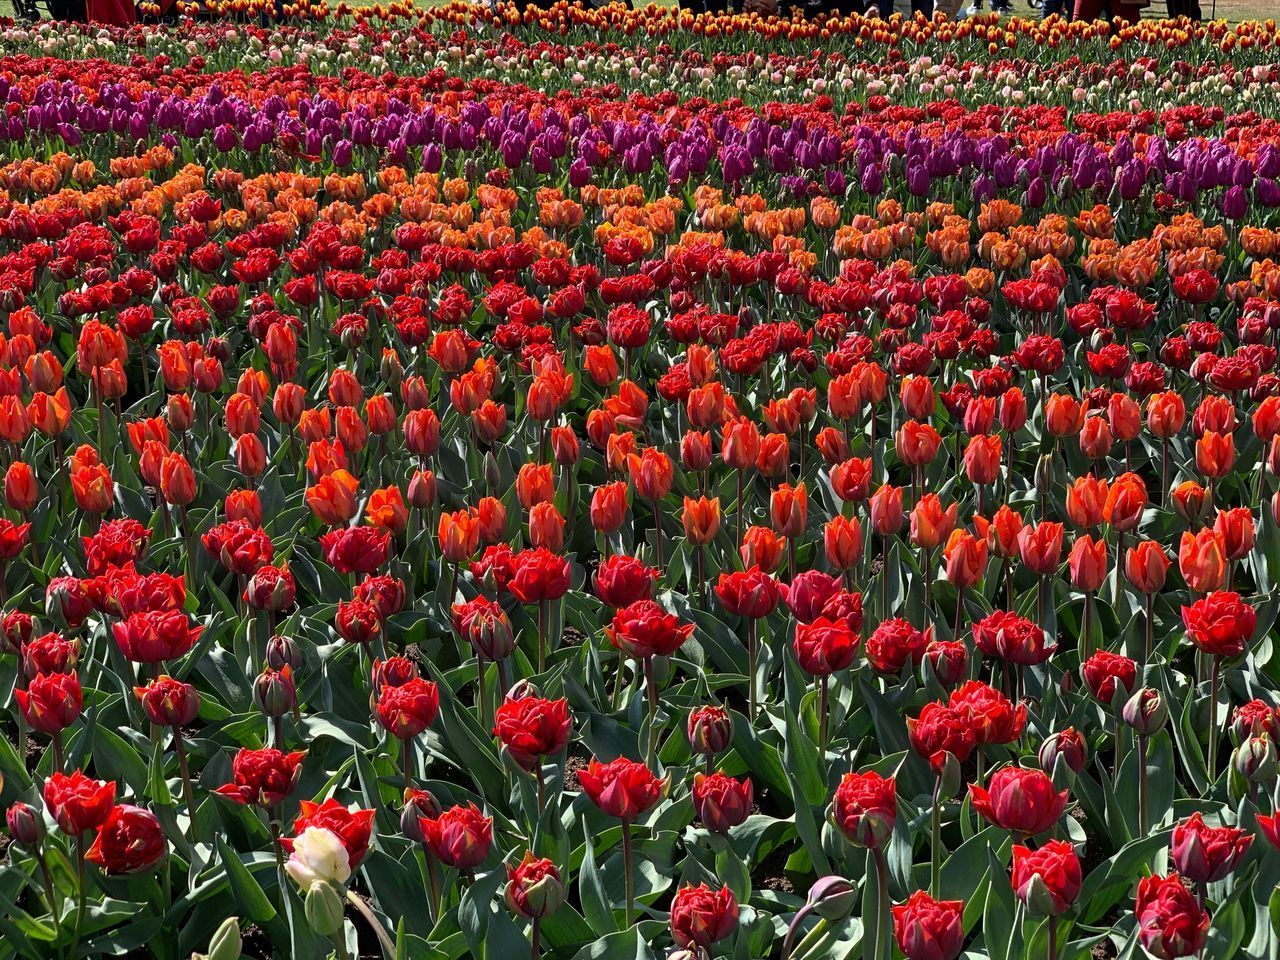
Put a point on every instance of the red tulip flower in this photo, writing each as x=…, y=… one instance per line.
x=460, y=837
x=622, y=788
x=1207, y=854
x=51, y=702
x=1171, y=923
x=130, y=841
x=77, y=802
x=1020, y=800
x=263, y=777
x=865, y=808
x=406, y=710
x=533, y=728
x=701, y=916
x=644, y=629
x=1047, y=880
x=720, y=801
x=929, y=929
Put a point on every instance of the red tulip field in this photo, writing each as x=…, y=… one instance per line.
x=622, y=484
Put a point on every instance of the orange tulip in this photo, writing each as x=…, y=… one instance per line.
x=1004, y=532
x=386, y=510
x=1040, y=546
x=762, y=548
x=1095, y=438
x=1126, y=499
x=789, y=510
x=1166, y=414
x=609, y=507
x=535, y=483
x=1215, y=453
x=1235, y=527
x=1087, y=563
x=842, y=542
x=459, y=535
x=1124, y=417
x=1145, y=564
x=92, y=487
x=886, y=510
x=546, y=527
x=1062, y=415
x=740, y=444
x=917, y=443
x=1202, y=559
x=701, y=519
x=333, y=498
x=1190, y=500
x=982, y=458
x=844, y=398
x=20, y=490
x=965, y=559
x=931, y=524
x=775, y=455
x=1086, y=501
x=918, y=397
x=177, y=480
x=652, y=474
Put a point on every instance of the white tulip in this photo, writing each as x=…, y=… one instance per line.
x=318, y=857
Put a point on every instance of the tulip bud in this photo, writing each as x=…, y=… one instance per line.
x=323, y=908
x=1066, y=744
x=832, y=898
x=226, y=944
x=1045, y=472
x=275, y=691
x=26, y=825
x=282, y=652
x=417, y=804
x=391, y=369
x=422, y=489
x=1146, y=712
x=949, y=777
x=1255, y=760
x=492, y=474
x=710, y=730
x=534, y=888
x=523, y=688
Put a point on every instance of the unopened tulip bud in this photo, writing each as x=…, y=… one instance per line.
x=492, y=474
x=1146, y=712
x=417, y=804
x=26, y=825
x=534, y=888
x=391, y=370
x=323, y=909
x=523, y=688
x=1255, y=760
x=832, y=898
x=949, y=777
x=422, y=489
x=226, y=943
x=275, y=691
x=1044, y=472
x=1066, y=745
x=282, y=652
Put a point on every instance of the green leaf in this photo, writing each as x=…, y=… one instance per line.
x=595, y=904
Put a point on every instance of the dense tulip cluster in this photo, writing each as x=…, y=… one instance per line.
x=569, y=482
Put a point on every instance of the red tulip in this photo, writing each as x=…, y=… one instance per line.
x=1105, y=672
x=1047, y=880
x=1145, y=565
x=51, y=702
x=1019, y=800
x=1040, y=547
x=622, y=788
x=993, y=718
x=929, y=929
x=709, y=729
x=720, y=801
x=532, y=728
x=940, y=732
x=894, y=644
x=155, y=636
x=644, y=629
x=534, y=888
x=460, y=837
x=264, y=777
x=865, y=808
x=1220, y=624
x=408, y=709
x=1171, y=923
x=701, y=916
x=1207, y=854
x=539, y=575
x=130, y=841
x=353, y=827
x=825, y=646
x=77, y=802
x=168, y=702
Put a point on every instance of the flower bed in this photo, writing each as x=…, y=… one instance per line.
x=600, y=484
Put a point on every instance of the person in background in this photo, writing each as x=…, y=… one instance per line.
x=113, y=13
x=1185, y=8
x=1096, y=10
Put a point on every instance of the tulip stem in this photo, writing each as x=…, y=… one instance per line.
x=1142, y=785
x=51, y=893
x=1213, y=720
x=822, y=714
x=340, y=943
x=935, y=834
x=1053, y=938
x=882, y=902
x=628, y=880
x=433, y=881
x=59, y=762
x=740, y=510
x=751, y=668
x=188, y=793
x=651, y=688
x=362, y=908
x=80, y=895
x=535, y=939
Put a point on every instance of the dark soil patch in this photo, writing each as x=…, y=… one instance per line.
x=772, y=871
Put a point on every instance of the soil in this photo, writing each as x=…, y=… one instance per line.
x=772, y=871
x=575, y=762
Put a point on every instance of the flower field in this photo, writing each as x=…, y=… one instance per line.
x=620, y=484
